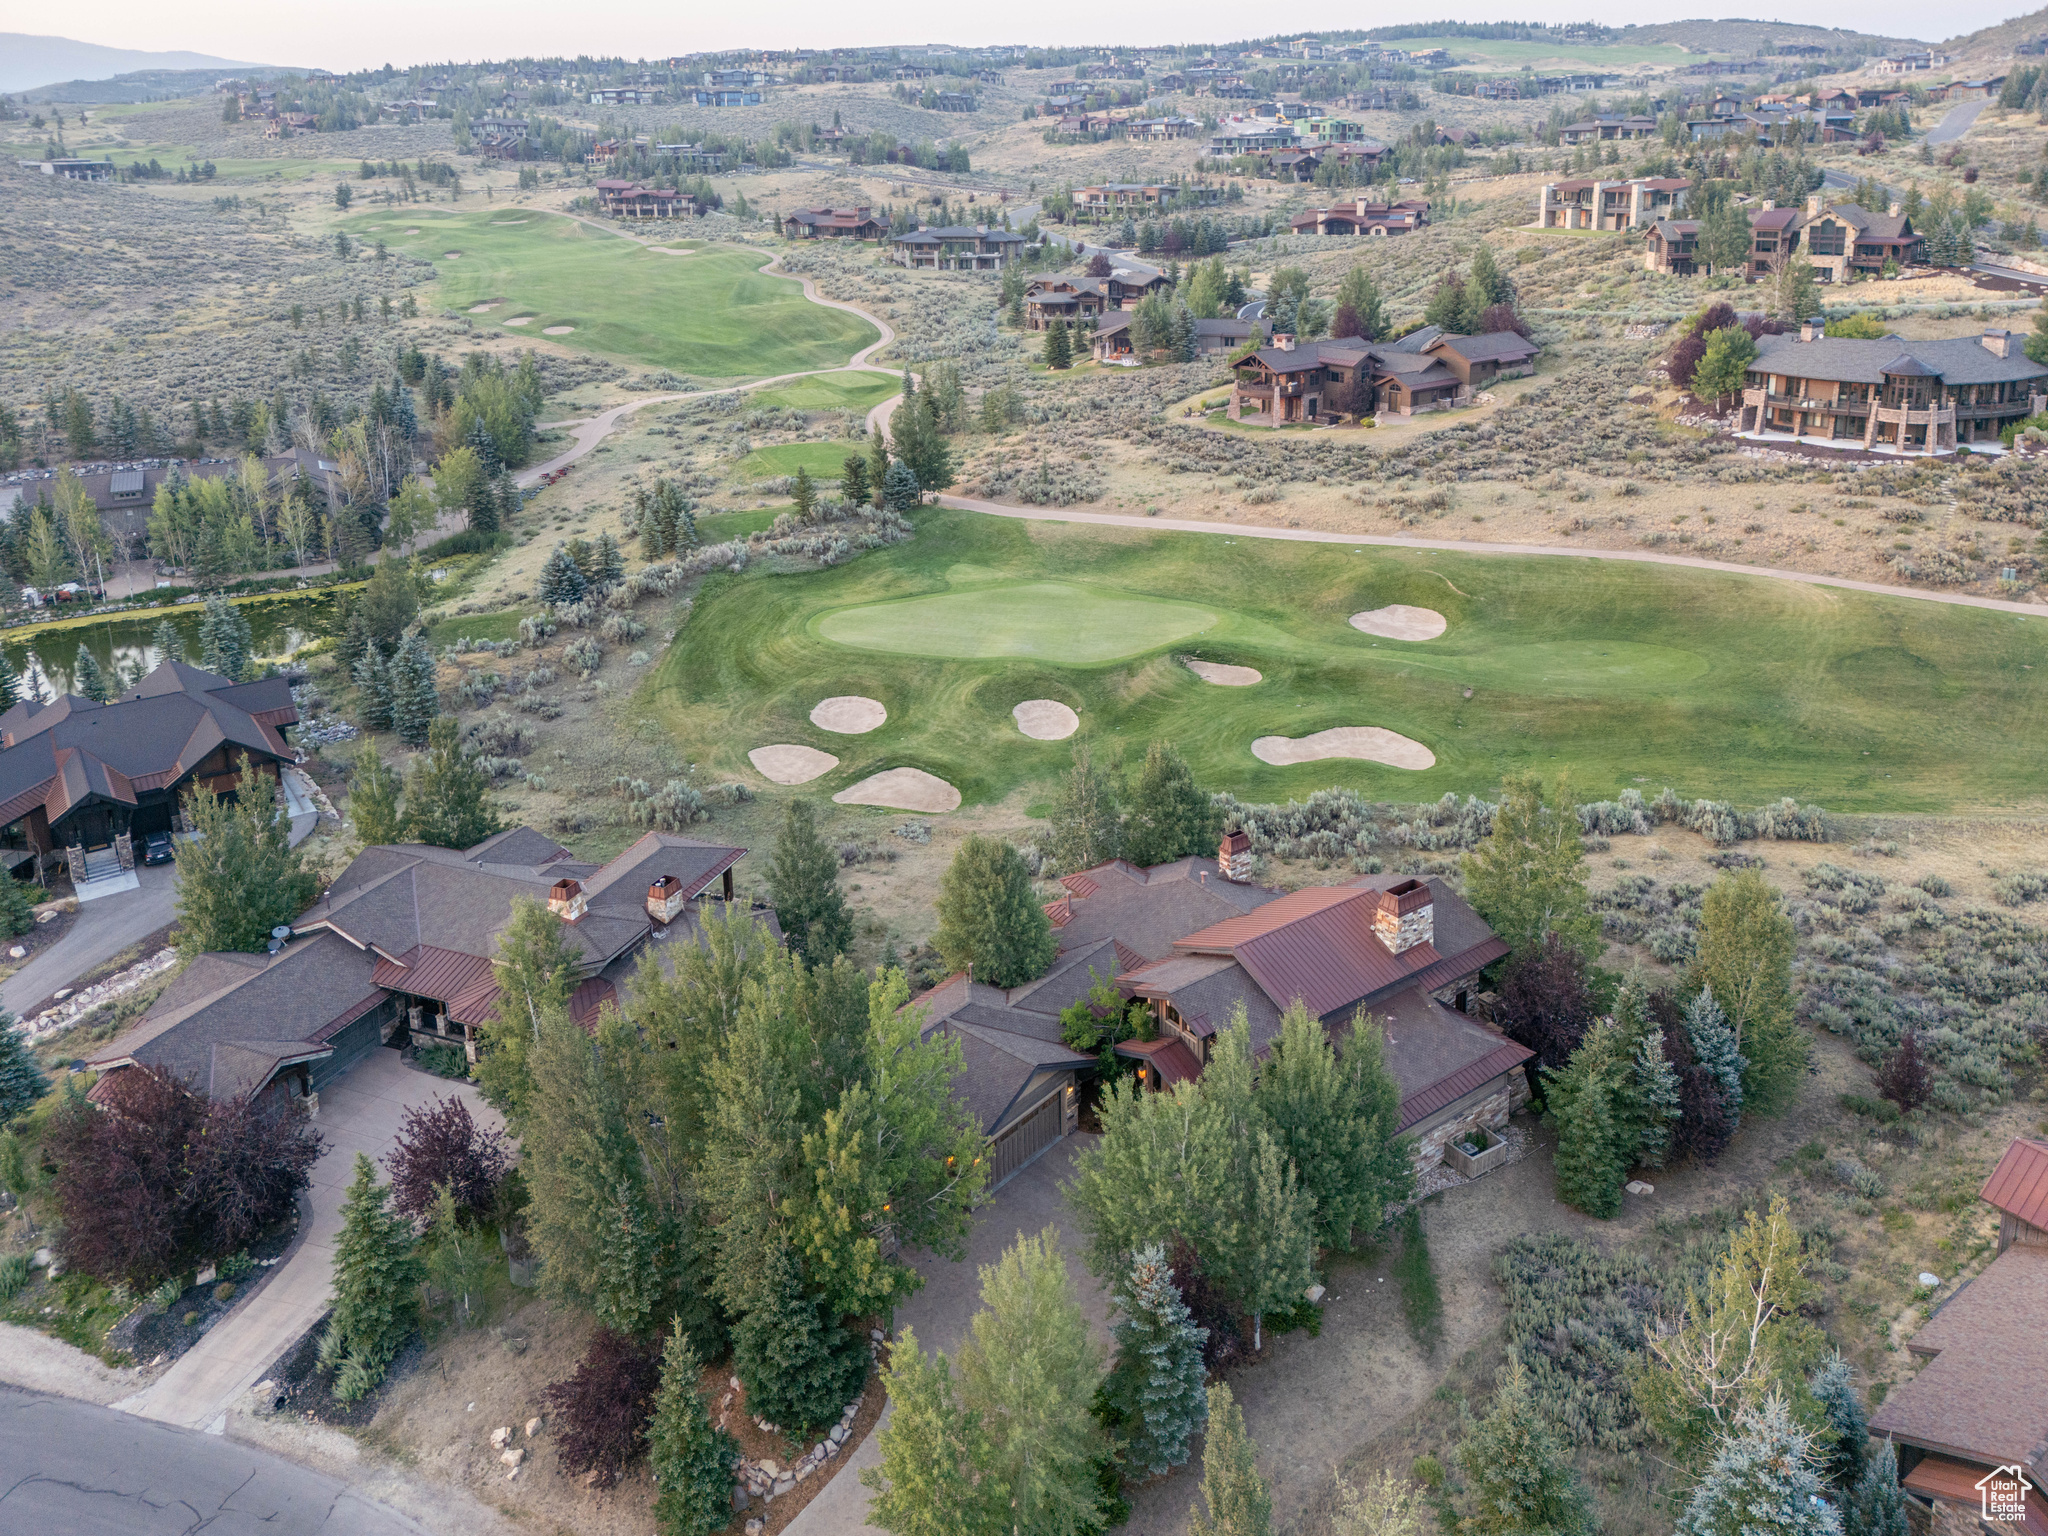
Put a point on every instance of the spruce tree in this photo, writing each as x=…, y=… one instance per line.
x=607, y=562
x=1597, y=1137
x=1235, y=1496
x=376, y=1288
x=626, y=1286
x=878, y=470
x=803, y=494
x=445, y=801
x=692, y=1461
x=561, y=582
x=803, y=886
x=1876, y=1506
x=1155, y=1384
x=1761, y=1478
x=1654, y=1089
x=88, y=678
x=373, y=798
x=853, y=481
x=1713, y=1046
x=17, y=907
x=482, y=502
x=799, y=1367
x=414, y=703
x=1834, y=1387
x=11, y=691
x=988, y=917
x=899, y=487
x=165, y=641
x=1516, y=1472
x=21, y=1079
x=373, y=691
x=1059, y=347
x=1170, y=816
x=225, y=646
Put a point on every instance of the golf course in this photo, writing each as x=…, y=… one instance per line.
x=1734, y=687
x=711, y=313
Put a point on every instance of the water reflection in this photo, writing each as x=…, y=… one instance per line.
x=124, y=645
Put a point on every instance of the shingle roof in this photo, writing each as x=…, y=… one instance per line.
x=1955, y=361
x=1490, y=346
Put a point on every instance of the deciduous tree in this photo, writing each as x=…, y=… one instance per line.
x=240, y=877
x=1529, y=878
x=988, y=917
x=1745, y=957
x=1086, y=821
x=446, y=805
x=601, y=1410
x=536, y=972
x=441, y=1147
x=1337, y=1120
x=373, y=798
x=1171, y=817
x=935, y=1477
x=1235, y=1501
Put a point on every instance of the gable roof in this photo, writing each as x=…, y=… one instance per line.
x=2018, y=1186
x=1490, y=346
x=1955, y=361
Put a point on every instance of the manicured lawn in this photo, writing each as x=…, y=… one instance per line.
x=503, y=625
x=848, y=390
x=720, y=526
x=1735, y=687
x=823, y=460
x=1515, y=53
x=712, y=314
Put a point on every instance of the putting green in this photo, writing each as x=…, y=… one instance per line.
x=1048, y=621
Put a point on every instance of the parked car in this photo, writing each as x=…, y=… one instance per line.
x=156, y=848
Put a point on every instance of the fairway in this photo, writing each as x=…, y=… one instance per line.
x=848, y=390
x=1039, y=620
x=1731, y=687
x=825, y=461
x=711, y=314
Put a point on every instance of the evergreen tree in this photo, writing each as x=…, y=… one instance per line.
x=481, y=501
x=878, y=468
x=803, y=495
x=988, y=917
x=799, y=1367
x=1155, y=1384
x=225, y=646
x=21, y=1079
x=899, y=487
x=1336, y=1121
x=607, y=562
x=1713, y=1047
x=89, y=679
x=561, y=583
x=536, y=971
x=803, y=885
x=11, y=691
x=373, y=798
x=1086, y=824
x=1591, y=1099
x=626, y=1285
x=445, y=802
x=692, y=1461
x=376, y=1288
x=240, y=877
x=1058, y=352
x=373, y=690
x=165, y=642
x=414, y=703
x=1493, y=285
x=17, y=910
x=1745, y=958
x=1361, y=297
x=1761, y=1480
x=1529, y=878
x=1654, y=1088
x=1235, y=1496
x=1171, y=817
x=1516, y=1473
x=1834, y=1387
x=1877, y=1505
x=853, y=481
x=934, y=1478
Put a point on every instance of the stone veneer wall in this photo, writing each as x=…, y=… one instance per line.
x=1498, y=1100
x=1403, y=932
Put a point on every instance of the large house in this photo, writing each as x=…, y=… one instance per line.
x=1364, y=216
x=1593, y=204
x=1336, y=380
x=404, y=946
x=861, y=223
x=957, y=248
x=1672, y=245
x=82, y=777
x=1906, y=396
x=630, y=200
x=1196, y=941
x=1977, y=1412
x=1847, y=240
x=1225, y=334
x=72, y=170
x=1608, y=125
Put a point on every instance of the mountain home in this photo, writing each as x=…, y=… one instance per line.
x=1594, y=204
x=1364, y=216
x=1333, y=381
x=1848, y=240
x=957, y=248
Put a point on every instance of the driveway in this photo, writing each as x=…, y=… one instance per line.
x=100, y=931
x=359, y=1113
x=86, y=1471
x=951, y=1296
x=1956, y=122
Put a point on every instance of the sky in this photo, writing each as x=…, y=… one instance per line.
x=373, y=32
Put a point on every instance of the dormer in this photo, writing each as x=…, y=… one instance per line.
x=665, y=899
x=1405, y=916
x=567, y=901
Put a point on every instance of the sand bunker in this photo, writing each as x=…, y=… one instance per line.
x=902, y=789
x=451, y=255
x=506, y=223
x=786, y=764
x=413, y=231
x=556, y=330
x=1046, y=719
x=518, y=320
x=1398, y=621
x=1366, y=741
x=1226, y=676
x=849, y=714
x=486, y=307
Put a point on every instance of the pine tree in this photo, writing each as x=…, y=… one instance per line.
x=414, y=703
x=445, y=802
x=1713, y=1046
x=1876, y=1506
x=1155, y=1384
x=607, y=562
x=1059, y=348
x=1834, y=1387
x=692, y=1462
x=376, y=1288
x=373, y=690
x=899, y=487
x=799, y=1367
x=21, y=1079
x=1761, y=1479
x=988, y=917
x=165, y=641
x=225, y=646
x=1170, y=817
x=803, y=886
x=803, y=495
x=1517, y=1475
x=1232, y=1490
x=561, y=582
x=853, y=480
x=373, y=798
x=88, y=678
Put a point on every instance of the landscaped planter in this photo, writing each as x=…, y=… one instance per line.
x=1491, y=1153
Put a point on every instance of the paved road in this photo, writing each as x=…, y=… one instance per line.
x=101, y=931
x=1956, y=122
x=360, y=1113
x=71, y=1469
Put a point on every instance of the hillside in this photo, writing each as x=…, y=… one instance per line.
x=1999, y=41
x=1746, y=37
x=28, y=61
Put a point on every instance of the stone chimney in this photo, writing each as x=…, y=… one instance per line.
x=1284, y=340
x=1997, y=342
x=1770, y=205
x=665, y=899
x=1406, y=916
x=1234, y=856
x=1811, y=330
x=1896, y=209
x=566, y=900
x=1816, y=205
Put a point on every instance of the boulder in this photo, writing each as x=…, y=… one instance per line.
x=532, y=1427
x=514, y=1457
x=1638, y=1187
x=1929, y=1280
x=838, y=1435
x=739, y=1498
x=756, y=1527
x=1314, y=1294
x=501, y=1437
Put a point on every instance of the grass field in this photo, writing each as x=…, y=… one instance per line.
x=823, y=460
x=711, y=314
x=849, y=390
x=1736, y=687
x=1510, y=53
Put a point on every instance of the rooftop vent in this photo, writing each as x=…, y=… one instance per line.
x=566, y=900
x=665, y=899
x=1405, y=916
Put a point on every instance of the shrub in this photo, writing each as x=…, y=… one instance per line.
x=14, y=1270
x=1903, y=1078
x=441, y=1144
x=602, y=1409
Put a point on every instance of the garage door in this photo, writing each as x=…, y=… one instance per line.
x=1025, y=1140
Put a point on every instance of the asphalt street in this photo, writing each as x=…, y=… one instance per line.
x=72, y=1469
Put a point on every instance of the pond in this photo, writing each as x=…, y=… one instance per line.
x=122, y=643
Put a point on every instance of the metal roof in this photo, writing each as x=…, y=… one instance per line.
x=2018, y=1186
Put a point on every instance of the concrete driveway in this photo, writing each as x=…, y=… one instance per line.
x=951, y=1296
x=100, y=931
x=360, y=1113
